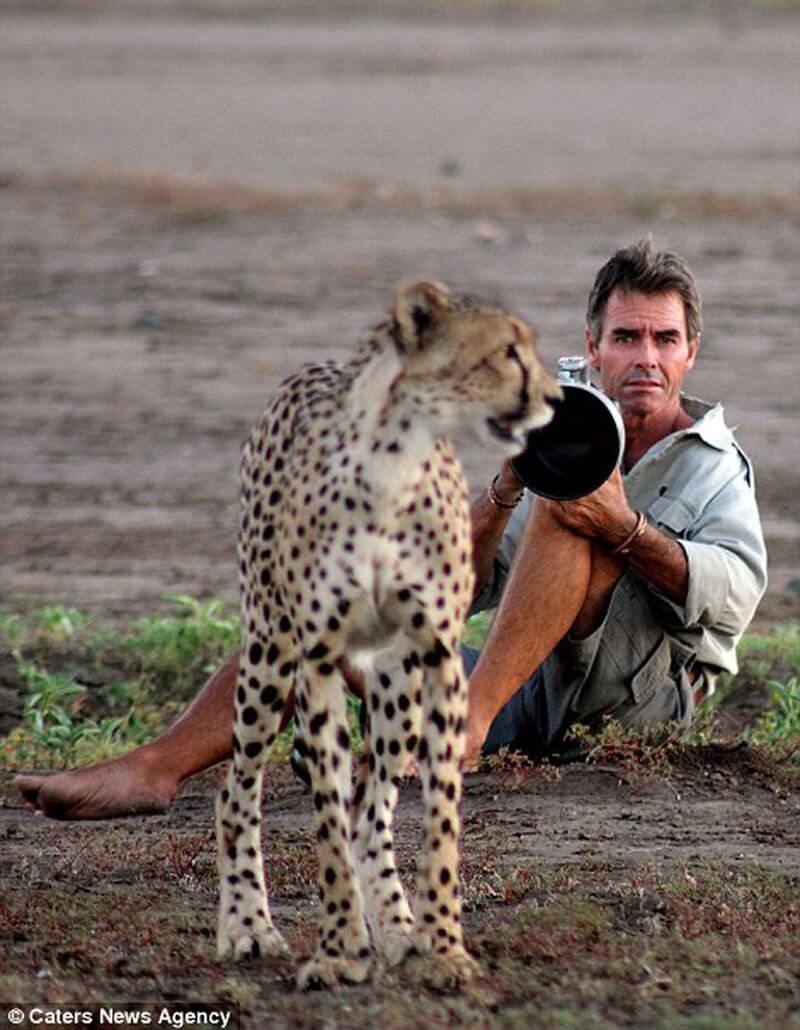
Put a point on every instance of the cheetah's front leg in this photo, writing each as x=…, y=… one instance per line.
x=343, y=950
x=393, y=697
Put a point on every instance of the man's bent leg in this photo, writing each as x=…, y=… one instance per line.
x=546, y=591
x=560, y=584
x=627, y=669
x=145, y=780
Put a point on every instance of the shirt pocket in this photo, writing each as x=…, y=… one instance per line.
x=671, y=514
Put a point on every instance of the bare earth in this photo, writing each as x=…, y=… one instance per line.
x=191, y=207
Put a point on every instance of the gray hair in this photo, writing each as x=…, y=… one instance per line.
x=640, y=269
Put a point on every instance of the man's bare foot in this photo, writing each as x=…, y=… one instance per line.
x=130, y=785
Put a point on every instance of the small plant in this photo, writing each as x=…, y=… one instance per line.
x=50, y=696
x=50, y=627
x=180, y=649
x=770, y=655
x=54, y=731
x=58, y=624
x=781, y=722
x=637, y=753
x=515, y=769
x=477, y=628
x=12, y=629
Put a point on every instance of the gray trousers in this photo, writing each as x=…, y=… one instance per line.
x=629, y=669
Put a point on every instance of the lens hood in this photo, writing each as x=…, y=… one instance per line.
x=577, y=450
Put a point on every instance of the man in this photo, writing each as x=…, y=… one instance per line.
x=627, y=603
x=633, y=598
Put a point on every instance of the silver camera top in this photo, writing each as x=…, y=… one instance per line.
x=573, y=369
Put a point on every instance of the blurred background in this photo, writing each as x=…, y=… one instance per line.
x=195, y=197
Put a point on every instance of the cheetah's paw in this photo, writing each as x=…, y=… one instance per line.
x=329, y=971
x=251, y=944
x=443, y=970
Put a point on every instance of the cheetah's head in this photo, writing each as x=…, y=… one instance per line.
x=471, y=366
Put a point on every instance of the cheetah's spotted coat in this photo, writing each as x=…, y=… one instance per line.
x=355, y=540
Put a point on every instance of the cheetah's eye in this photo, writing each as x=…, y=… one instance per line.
x=511, y=352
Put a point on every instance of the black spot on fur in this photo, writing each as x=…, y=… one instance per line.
x=318, y=722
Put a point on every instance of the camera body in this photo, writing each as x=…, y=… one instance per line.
x=580, y=447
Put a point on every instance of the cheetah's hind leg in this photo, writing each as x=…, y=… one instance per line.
x=245, y=925
x=438, y=934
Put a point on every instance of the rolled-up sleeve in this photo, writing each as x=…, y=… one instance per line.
x=727, y=578
x=727, y=569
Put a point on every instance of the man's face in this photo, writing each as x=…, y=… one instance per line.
x=643, y=353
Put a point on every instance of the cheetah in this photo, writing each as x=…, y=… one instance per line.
x=355, y=540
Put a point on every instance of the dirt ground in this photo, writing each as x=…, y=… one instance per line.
x=124, y=911
x=192, y=206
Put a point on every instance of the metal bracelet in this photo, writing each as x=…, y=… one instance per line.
x=498, y=502
x=633, y=536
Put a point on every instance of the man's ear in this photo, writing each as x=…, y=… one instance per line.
x=417, y=305
x=591, y=348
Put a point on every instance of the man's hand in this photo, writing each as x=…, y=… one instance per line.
x=603, y=515
x=476, y=735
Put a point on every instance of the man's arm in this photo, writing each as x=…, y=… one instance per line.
x=662, y=561
x=490, y=515
x=606, y=516
x=727, y=566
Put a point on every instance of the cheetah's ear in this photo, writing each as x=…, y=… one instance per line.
x=417, y=305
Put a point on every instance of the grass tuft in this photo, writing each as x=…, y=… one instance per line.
x=91, y=692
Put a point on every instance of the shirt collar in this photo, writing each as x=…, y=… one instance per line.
x=709, y=423
x=709, y=426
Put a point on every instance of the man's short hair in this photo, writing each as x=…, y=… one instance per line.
x=640, y=269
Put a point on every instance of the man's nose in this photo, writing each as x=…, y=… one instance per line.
x=647, y=354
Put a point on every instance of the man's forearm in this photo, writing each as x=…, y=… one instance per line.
x=489, y=520
x=662, y=561
x=606, y=516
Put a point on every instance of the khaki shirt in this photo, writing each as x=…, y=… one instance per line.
x=695, y=485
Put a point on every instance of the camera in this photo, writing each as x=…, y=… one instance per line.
x=580, y=447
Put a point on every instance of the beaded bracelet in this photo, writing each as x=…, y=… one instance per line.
x=633, y=536
x=498, y=502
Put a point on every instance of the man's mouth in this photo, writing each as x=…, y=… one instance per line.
x=642, y=383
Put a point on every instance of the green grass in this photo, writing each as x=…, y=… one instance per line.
x=92, y=691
